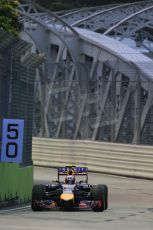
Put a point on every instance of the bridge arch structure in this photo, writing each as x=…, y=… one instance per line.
x=92, y=86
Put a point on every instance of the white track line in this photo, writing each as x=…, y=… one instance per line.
x=14, y=209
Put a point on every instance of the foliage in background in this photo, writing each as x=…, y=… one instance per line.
x=9, y=17
x=56, y=5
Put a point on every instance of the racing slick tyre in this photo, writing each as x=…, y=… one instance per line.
x=105, y=188
x=98, y=197
x=38, y=194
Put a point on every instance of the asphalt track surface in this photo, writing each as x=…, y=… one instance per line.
x=130, y=208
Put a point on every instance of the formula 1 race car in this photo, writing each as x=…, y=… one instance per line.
x=70, y=194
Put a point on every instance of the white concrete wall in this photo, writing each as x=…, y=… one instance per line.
x=103, y=157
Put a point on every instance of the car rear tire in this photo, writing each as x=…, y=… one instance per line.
x=97, y=194
x=38, y=194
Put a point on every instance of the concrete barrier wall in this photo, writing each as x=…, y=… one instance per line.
x=103, y=157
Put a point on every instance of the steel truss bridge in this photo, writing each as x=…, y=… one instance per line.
x=91, y=85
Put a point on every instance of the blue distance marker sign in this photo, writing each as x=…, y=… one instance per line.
x=12, y=140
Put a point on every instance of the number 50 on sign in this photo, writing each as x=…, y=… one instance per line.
x=12, y=140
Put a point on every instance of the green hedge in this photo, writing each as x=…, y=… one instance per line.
x=15, y=181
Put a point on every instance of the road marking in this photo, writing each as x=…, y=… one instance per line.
x=21, y=227
x=14, y=209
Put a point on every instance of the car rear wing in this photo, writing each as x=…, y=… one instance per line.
x=73, y=170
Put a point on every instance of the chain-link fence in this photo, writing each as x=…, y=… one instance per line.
x=70, y=102
x=17, y=76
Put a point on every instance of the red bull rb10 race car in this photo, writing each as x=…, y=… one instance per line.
x=70, y=193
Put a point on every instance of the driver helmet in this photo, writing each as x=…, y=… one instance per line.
x=70, y=179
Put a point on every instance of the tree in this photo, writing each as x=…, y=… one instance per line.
x=9, y=16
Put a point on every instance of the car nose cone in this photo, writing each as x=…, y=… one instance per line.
x=66, y=197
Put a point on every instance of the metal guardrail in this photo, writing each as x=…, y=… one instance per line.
x=102, y=157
